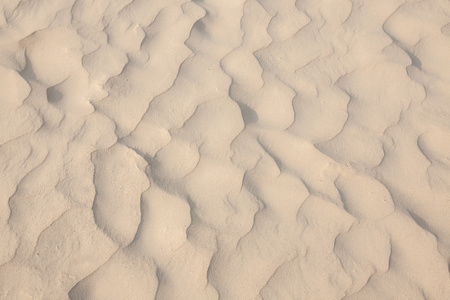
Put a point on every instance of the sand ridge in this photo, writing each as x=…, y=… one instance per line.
x=243, y=149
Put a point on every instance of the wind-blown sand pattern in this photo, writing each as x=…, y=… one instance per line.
x=212, y=149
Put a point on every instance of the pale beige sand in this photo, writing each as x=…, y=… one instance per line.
x=224, y=149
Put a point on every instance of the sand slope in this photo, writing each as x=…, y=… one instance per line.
x=241, y=149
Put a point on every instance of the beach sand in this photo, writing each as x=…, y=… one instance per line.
x=233, y=150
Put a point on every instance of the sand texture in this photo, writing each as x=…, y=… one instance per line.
x=224, y=149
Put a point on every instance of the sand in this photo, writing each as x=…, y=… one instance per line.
x=212, y=149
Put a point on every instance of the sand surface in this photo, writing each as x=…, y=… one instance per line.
x=224, y=149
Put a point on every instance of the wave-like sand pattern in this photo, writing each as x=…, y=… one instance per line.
x=242, y=149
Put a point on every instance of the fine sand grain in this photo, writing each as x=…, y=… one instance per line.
x=224, y=149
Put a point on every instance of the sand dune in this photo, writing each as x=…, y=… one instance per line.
x=241, y=149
